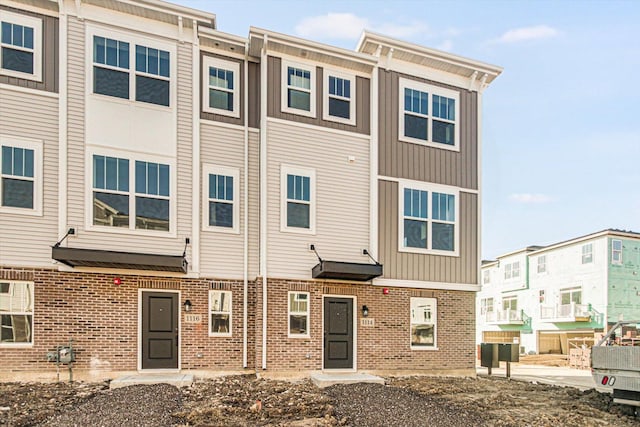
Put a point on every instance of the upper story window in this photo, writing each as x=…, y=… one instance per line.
x=16, y=313
x=20, y=46
x=429, y=115
x=486, y=276
x=20, y=176
x=568, y=296
x=542, y=264
x=486, y=305
x=424, y=320
x=114, y=202
x=616, y=251
x=298, y=200
x=149, y=83
x=587, y=253
x=298, y=315
x=512, y=270
x=510, y=303
x=298, y=89
x=428, y=221
x=221, y=93
x=221, y=198
x=339, y=103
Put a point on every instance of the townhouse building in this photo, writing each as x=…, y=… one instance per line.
x=176, y=198
x=542, y=297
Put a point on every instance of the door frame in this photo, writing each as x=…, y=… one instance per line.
x=355, y=333
x=174, y=291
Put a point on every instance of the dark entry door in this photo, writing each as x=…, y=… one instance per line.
x=159, y=330
x=338, y=333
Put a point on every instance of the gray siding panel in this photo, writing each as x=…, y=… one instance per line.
x=363, y=101
x=50, y=52
x=26, y=240
x=434, y=268
x=254, y=95
x=423, y=163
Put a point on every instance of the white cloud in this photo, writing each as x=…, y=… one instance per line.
x=530, y=198
x=446, y=45
x=528, y=33
x=402, y=31
x=332, y=26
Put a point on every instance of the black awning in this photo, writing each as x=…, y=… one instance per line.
x=346, y=271
x=74, y=257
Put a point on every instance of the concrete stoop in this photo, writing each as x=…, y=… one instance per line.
x=178, y=380
x=324, y=379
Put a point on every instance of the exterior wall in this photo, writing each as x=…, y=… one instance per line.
x=422, y=163
x=435, y=268
x=384, y=346
x=102, y=320
x=26, y=240
x=362, y=100
x=342, y=198
x=624, y=284
x=50, y=55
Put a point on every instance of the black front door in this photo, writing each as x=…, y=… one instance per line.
x=338, y=333
x=159, y=330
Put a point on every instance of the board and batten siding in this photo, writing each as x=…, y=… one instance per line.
x=432, y=268
x=342, y=198
x=222, y=254
x=363, y=101
x=420, y=162
x=77, y=194
x=26, y=240
x=50, y=54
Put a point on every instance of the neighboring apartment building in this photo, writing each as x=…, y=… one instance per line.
x=177, y=198
x=543, y=296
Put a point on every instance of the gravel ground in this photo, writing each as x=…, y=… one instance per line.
x=247, y=401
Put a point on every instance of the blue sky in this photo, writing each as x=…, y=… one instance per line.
x=561, y=129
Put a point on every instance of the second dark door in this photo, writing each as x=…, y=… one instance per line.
x=159, y=330
x=338, y=333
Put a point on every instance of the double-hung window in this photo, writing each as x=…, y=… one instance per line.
x=20, y=46
x=339, y=97
x=512, y=270
x=486, y=305
x=298, y=199
x=429, y=115
x=423, y=323
x=130, y=194
x=587, y=253
x=428, y=220
x=298, y=314
x=220, y=87
x=220, y=313
x=486, y=276
x=221, y=199
x=298, y=89
x=16, y=313
x=616, y=251
x=568, y=296
x=510, y=303
x=542, y=264
x=20, y=176
x=112, y=71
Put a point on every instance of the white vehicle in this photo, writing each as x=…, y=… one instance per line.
x=615, y=363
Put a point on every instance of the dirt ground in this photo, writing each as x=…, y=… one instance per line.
x=248, y=401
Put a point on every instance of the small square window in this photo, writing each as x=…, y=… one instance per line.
x=20, y=46
x=298, y=89
x=221, y=94
x=220, y=313
x=298, y=314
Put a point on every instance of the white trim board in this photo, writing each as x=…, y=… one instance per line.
x=419, y=284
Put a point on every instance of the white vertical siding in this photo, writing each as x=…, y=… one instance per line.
x=342, y=199
x=26, y=240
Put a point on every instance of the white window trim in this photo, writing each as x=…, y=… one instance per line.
x=431, y=90
x=210, y=61
x=208, y=169
x=509, y=298
x=32, y=313
x=210, y=312
x=486, y=277
x=284, y=107
x=132, y=157
x=570, y=291
x=589, y=253
x=429, y=187
x=613, y=251
x=434, y=301
x=352, y=99
x=133, y=40
x=307, y=313
x=36, y=24
x=539, y=264
x=38, y=172
x=294, y=170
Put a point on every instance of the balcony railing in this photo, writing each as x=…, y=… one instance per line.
x=504, y=317
x=566, y=313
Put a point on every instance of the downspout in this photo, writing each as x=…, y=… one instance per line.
x=263, y=194
x=62, y=122
x=195, y=153
x=245, y=266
